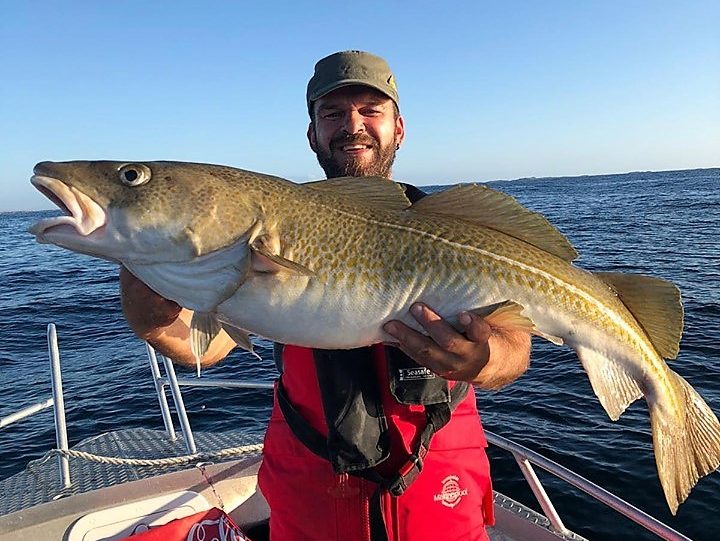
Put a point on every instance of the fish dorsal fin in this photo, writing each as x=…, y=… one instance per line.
x=656, y=305
x=376, y=192
x=486, y=207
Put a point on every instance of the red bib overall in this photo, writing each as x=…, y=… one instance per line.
x=451, y=498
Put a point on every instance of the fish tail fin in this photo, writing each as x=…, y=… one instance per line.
x=688, y=448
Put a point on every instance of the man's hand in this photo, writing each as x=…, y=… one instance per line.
x=147, y=312
x=487, y=356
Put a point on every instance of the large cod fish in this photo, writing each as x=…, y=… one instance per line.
x=326, y=264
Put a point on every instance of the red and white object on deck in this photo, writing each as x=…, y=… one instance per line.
x=213, y=524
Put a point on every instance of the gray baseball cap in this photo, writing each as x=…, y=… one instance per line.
x=351, y=68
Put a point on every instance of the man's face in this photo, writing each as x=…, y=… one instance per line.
x=355, y=132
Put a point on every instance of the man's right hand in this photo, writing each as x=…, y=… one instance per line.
x=146, y=312
x=164, y=323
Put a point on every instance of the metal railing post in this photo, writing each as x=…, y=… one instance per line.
x=179, y=406
x=160, y=391
x=540, y=494
x=59, y=409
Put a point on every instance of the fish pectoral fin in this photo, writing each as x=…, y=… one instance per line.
x=204, y=326
x=241, y=338
x=263, y=260
x=265, y=250
x=376, y=192
x=508, y=315
x=613, y=385
x=483, y=206
x=655, y=303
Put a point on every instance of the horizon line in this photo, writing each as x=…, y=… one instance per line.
x=483, y=181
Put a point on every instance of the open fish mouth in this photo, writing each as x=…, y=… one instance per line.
x=82, y=215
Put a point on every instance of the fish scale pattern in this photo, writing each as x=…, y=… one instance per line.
x=372, y=251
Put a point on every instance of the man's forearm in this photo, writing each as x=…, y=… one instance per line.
x=164, y=324
x=173, y=341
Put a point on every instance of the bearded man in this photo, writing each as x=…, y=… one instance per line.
x=382, y=442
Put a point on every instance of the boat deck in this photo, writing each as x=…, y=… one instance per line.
x=131, y=477
x=40, y=481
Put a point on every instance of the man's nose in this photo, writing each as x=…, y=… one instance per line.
x=354, y=123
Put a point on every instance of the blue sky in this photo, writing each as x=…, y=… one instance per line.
x=489, y=90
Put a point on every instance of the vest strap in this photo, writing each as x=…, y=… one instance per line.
x=303, y=431
x=437, y=416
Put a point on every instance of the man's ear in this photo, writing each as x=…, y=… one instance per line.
x=399, y=130
x=311, y=137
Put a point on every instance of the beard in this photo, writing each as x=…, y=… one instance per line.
x=336, y=165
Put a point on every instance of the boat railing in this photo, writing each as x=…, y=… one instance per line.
x=57, y=402
x=173, y=383
x=525, y=458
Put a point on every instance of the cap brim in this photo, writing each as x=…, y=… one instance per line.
x=349, y=82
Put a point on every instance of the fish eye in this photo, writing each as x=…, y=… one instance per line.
x=134, y=174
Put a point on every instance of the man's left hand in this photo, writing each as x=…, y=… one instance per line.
x=488, y=356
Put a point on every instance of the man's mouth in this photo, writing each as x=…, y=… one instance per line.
x=347, y=148
x=354, y=144
x=354, y=148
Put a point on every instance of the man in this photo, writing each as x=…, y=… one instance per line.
x=381, y=442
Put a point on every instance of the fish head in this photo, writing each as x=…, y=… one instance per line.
x=142, y=212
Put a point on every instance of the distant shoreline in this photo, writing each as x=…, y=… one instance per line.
x=608, y=174
x=490, y=180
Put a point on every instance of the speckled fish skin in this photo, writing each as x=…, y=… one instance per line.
x=189, y=234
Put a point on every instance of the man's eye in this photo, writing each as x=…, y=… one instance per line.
x=331, y=115
x=372, y=112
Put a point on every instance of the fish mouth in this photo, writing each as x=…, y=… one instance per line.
x=82, y=216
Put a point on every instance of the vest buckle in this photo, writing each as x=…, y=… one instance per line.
x=407, y=473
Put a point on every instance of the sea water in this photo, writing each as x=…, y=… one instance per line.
x=664, y=223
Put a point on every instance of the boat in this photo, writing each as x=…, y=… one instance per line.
x=127, y=481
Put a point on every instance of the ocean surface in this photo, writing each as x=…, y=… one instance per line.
x=665, y=224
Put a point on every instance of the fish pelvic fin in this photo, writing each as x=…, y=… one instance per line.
x=655, y=303
x=241, y=338
x=204, y=327
x=613, y=385
x=687, y=443
x=508, y=315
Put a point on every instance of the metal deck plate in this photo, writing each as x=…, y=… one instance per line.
x=40, y=481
